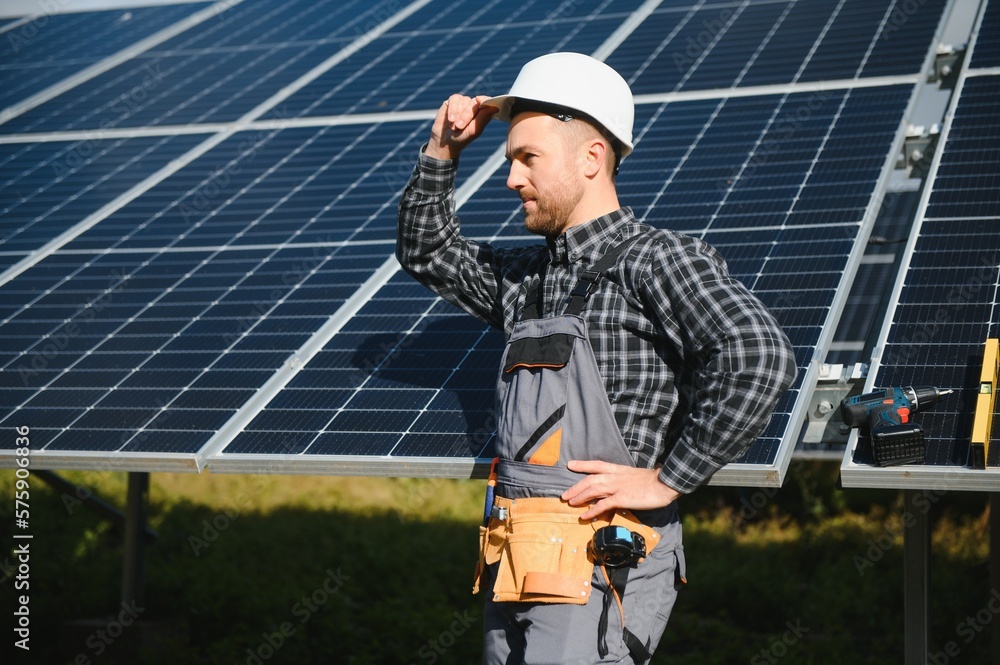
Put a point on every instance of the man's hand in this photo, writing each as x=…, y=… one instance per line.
x=459, y=122
x=617, y=486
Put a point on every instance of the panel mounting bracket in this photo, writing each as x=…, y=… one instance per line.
x=835, y=382
x=947, y=62
x=918, y=148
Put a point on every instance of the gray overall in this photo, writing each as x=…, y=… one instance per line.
x=552, y=408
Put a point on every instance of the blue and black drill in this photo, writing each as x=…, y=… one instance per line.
x=886, y=412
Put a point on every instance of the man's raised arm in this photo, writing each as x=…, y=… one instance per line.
x=429, y=243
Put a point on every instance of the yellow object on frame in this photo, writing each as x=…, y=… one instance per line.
x=982, y=424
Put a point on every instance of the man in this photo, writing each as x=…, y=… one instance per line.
x=635, y=368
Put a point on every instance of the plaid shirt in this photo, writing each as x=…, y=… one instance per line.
x=693, y=363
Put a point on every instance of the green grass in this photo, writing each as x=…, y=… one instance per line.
x=371, y=570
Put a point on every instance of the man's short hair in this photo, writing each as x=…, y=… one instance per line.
x=566, y=114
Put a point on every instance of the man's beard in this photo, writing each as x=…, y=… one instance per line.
x=549, y=218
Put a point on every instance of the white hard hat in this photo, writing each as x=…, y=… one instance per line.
x=577, y=82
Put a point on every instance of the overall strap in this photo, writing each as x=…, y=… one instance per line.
x=589, y=279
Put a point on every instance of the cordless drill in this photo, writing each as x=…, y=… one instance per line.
x=886, y=411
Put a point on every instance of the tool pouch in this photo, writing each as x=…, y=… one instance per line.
x=543, y=550
x=491, y=540
x=545, y=559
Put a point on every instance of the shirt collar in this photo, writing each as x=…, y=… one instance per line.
x=588, y=242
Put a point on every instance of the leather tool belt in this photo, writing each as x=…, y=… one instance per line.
x=543, y=549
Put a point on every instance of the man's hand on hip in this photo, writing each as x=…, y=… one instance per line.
x=459, y=122
x=617, y=486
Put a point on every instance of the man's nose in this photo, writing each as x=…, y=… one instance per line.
x=516, y=179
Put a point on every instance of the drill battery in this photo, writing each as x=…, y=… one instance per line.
x=898, y=444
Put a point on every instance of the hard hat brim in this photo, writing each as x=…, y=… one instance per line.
x=505, y=104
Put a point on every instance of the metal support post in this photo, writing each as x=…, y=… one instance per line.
x=134, y=572
x=90, y=501
x=995, y=569
x=916, y=580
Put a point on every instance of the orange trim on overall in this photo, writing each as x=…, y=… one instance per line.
x=548, y=453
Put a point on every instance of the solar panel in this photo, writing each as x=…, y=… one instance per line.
x=45, y=188
x=766, y=43
x=35, y=54
x=141, y=352
x=987, y=53
x=947, y=304
x=217, y=72
x=232, y=299
x=269, y=188
x=448, y=48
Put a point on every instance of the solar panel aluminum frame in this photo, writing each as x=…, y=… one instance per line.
x=67, y=460
x=915, y=477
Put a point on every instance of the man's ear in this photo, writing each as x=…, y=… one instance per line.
x=595, y=157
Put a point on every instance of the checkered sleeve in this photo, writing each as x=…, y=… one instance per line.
x=742, y=360
x=431, y=248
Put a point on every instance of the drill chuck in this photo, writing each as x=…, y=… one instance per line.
x=923, y=397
